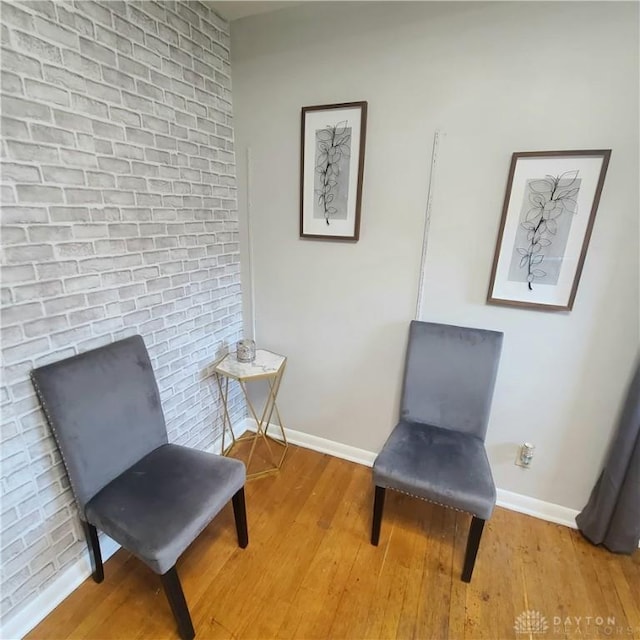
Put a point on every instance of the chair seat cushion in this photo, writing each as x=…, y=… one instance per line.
x=439, y=465
x=157, y=507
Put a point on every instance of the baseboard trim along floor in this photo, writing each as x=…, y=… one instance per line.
x=18, y=626
x=48, y=599
x=507, y=499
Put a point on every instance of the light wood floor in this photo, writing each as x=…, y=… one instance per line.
x=310, y=572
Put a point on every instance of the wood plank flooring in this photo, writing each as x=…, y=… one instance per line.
x=310, y=572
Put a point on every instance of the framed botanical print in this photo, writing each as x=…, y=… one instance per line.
x=331, y=170
x=547, y=218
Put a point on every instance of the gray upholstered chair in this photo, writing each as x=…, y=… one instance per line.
x=436, y=452
x=152, y=497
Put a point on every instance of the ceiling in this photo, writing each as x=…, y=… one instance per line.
x=235, y=9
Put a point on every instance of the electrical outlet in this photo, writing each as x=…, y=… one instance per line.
x=524, y=455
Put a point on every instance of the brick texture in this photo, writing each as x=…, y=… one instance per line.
x=119, y=217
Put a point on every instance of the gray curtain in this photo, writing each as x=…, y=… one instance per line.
x=612, y=515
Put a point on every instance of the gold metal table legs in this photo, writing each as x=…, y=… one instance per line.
x=274, y=458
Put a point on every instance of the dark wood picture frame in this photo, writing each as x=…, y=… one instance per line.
x=555, y=199
x=332, y=170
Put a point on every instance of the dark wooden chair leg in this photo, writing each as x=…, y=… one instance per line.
x=473, y=542
x=96, y=556
x=175, y=596
x=240, y=515
x=378, y=507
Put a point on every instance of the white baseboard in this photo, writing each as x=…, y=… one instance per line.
x=507, y=499
x=47, y=600
x=307, y=441
x=37, y=609
x=537, y=508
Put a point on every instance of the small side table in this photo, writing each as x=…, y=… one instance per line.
x=266, y=366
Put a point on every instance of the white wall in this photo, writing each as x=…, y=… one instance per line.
x=496, y=78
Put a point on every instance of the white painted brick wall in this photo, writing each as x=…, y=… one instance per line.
x=119, y=217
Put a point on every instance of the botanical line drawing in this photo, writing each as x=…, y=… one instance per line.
x=550, y=198
x=549, y=208
x=333, y=146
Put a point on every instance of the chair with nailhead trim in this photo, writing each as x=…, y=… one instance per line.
x=152, y=497
x=436, y=452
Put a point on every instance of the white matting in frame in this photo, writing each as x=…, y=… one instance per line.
x=332, y=165
x=547, y=218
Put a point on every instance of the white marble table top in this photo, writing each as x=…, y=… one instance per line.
x=266, y=364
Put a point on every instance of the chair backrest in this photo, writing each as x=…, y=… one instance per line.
x=104, y=409
x=450, y=374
